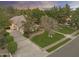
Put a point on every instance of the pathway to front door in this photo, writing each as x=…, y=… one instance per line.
x=25, y=47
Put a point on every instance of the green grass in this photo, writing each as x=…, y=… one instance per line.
x=58, y=45
x=77, y=34
x=43, y=39
x=66, y=30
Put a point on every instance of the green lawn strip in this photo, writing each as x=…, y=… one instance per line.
x=43, y=40
x=66, y=30
x=58, y=45
x=76, y=34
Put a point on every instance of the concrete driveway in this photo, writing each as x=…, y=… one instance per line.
x=25, y=47
x=70, y=50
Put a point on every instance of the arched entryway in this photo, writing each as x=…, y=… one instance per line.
x=14, y=27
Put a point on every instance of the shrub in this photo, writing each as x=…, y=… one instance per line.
x=12, y=47
x=9, y=39
x=6, y=34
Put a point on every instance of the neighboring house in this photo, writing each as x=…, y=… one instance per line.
x=68, y=20
x=17, y=23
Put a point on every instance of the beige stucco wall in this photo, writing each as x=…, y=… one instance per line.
x=15, y=27
x=16, y=22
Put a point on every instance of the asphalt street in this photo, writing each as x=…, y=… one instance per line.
x=70, y=50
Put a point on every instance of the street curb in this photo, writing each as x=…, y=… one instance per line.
x=61, y=46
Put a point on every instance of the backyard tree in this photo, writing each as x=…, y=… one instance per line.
x=28, y=12
x=60, y=14
x=53, y=12
x=37, y=13
x=11, y=11
x=63, y=14
x=56, y=13
x=49, y=24
x=67, y=10
x=75, y=19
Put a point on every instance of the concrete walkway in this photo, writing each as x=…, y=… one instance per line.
x=25, y=47
x=35, y=34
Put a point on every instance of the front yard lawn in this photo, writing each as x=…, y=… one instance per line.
x=58, y=45
x=66, y=30
x=43, y=40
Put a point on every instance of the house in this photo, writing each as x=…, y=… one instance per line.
x=17, y=23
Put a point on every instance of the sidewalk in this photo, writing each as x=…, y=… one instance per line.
x=49, y=46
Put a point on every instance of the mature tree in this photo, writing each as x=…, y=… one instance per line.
x=67, y=10
x=4, y=20
x=52, y=12
x=63, y=14
x=56, y=13
x=75, y=19
x=34, y=13
x=11, y=11
x=60, y=14
x=28, y=12
x=49, y=24
x=28, y=25
x=37, y=13
x=4, y=23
